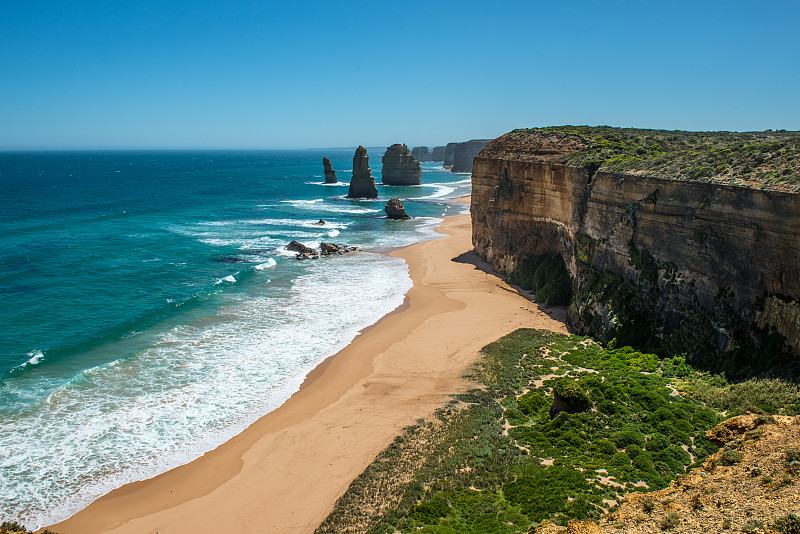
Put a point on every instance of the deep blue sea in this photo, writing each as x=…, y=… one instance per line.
x=149, y=309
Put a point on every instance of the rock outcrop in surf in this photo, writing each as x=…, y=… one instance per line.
x=395, y=210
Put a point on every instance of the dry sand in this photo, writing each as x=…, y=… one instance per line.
x=285, y=472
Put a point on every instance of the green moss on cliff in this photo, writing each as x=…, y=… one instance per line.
x=547, y=276
x=770, y=158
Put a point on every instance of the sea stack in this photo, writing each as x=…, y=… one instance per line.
x=330, y=174
x=438, y=153
x=449, y=155
x=465, y=152
x=400, y=167
x=421, y=153
x=395, y=210
x=362, y=185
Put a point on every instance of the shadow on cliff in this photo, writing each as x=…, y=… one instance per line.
x=558, y=313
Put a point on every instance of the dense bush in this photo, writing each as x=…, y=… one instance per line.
x=547, y=276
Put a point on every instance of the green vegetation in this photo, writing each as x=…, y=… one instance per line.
x=547, y=276
x=12, y=527
x=493, y=461
x=770, y=158
x=787, y=524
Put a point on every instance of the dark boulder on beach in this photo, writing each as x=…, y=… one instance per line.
x=421, y=153
x=400, y=167
x=330, y=174
x=395, y=210
x=362, y=185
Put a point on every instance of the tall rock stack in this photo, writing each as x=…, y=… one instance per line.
x=465, y=152
x=330, y=174
x=400, y=167
x=449, y=154
x=421, y=153
x=438, y=153
x=362, y=185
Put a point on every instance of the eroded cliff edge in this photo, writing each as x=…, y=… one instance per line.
x=676, y=242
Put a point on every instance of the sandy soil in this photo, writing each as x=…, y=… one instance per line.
x=284, y=473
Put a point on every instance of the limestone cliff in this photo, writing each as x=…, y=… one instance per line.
x=438, y=153
x=400, y=167
x=362, y=185
x=330, y=174
x=706, y=265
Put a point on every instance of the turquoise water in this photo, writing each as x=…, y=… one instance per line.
x=150, y=310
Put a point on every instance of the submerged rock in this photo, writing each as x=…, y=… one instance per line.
x=400, y=167
x=395, y=210
x=362, y=185
x=421, y=153
x=330, y=174
x=319, y=223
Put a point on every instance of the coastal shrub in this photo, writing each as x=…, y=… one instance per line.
x=787, y=524
x=544, y=491
x=572, y=393
x=670, y=521
x=531, y=402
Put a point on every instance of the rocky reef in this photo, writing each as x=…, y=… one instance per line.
x=421, y=153
x=362, y=185
x=395, y=210
x=465, y=152
x=677, y=242
x=400, y=167
x=330, y=174
x=438, y=153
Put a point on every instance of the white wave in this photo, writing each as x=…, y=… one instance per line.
x=333, y=233
x=303, y=202
x=35, y=357
x=230, y=279
x=266, y=265
x=441, y=191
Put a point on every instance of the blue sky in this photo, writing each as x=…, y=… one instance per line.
x=320, y=74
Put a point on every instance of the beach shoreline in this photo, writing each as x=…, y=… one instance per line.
x=285, y=472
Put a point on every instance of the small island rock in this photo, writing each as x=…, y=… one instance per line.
x=421, y=153
x=395, y=210
x=362, y=185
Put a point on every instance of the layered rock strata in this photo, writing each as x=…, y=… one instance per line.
x=677, y=266
x=400, y=167
x=421, y=153
x=395, y=210
x=464, y=153
x=362, y=184
x=438, y=153
x=330, y=174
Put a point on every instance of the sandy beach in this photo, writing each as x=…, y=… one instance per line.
x=285, y=472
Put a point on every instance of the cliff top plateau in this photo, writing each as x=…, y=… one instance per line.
x=769, y=159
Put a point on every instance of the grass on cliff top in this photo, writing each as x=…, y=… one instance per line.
x=493, y=461
x=769, y=159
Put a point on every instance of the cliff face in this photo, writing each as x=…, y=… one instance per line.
x=438, y=153
x=421, y=153
x=682, y=266
x=400, y=167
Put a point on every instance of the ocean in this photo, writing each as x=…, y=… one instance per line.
x=150, y=310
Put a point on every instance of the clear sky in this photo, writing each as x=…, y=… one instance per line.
x=296, y=73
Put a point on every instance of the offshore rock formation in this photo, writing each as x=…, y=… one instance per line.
x=303, y=252
x=421, y=153
x=400, y=167
x=437, y=154
x=330, y=174
x=672, y=265
x=395, y=210
x=449, y=155
x=362, y=185
x=464, y=153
